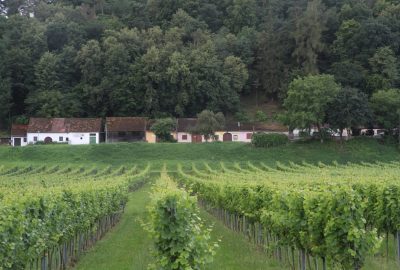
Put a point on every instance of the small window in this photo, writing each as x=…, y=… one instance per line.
x=66, y=139
x=25, y=140
x=35, y=139
x=121, y=134
x=249, y=136
x=81, y=138
x=235, y=137
x=60, y=139
x=216, y=137
x=184, y=137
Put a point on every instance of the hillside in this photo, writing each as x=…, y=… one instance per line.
x=156, y=58
x=357, y=150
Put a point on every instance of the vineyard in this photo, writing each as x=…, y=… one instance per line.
x=306, y=216
x=50, y=215
x=301, y=215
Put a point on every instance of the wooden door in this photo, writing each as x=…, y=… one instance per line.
x=196, y=138
x=17, y=141
x=227, y=137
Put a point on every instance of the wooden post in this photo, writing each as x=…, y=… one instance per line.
x=398, y=245
x=303, y=260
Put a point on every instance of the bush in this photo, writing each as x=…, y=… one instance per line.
x=269, y=140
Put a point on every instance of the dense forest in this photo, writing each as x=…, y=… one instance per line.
x=177, y=57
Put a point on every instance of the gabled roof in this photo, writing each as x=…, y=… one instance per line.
x=126, y=124
x=185, y=124
x=18, y=130
x=64, y=125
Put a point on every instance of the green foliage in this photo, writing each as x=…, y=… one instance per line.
x=208, y=123
x=308, y=99
x=265, y=140
x=334, y=212
x=54, y=210
x=136, y=57
x=261, y=116
x=386, y=107
x=181, y=239
x=350, y=108
x=163, y=129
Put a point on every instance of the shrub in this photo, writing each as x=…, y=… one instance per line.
x=163, y=128
x=269, y=140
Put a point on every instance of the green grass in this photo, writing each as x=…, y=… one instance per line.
x=127, y=245
x=367, y=150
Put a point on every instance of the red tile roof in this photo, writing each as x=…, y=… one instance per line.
x=64, y=125
x=19, y=130
x=126, y=124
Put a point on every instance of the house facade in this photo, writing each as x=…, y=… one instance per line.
x=125, y=129
x=73, y=131
x=183, y=131
x=19, y=135
x=243, y=132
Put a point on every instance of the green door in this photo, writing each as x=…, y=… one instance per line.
x=93, y=139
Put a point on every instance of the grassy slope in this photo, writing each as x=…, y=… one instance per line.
x=128, y=245
x=115, y=154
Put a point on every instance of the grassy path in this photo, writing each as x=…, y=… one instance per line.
x=128, y=246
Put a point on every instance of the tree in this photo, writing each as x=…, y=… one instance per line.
x=348, y=109
x=163, y=128
x=386, y=107
x=384, y=69
x=307, y=101
x=237, y=73
x=208, y=123
x=240, y=14
x=308, y=35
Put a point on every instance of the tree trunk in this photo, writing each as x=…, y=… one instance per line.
x=320, y=133
x=341, y=136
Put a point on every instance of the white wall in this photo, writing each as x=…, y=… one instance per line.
x=73, y=138
x=22, y=140
x=240, y=136
x=180, y=135
x=42, y=136
x=82, y=138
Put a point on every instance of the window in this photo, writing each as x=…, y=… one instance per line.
x=66, y=139
x=121, y=134
x=216, y=137
x=60, y=139
x=184, y=137
x=249, y=136
x=25, y=139
x=35, y=139
x=235, y=137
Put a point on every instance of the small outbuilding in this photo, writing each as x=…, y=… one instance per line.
x=125, y=129
x=19, y=135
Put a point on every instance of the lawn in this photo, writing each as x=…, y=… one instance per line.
x=367, y=150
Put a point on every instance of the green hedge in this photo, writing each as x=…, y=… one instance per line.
x=269, y=140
